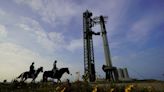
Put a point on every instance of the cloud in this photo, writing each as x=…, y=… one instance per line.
x=140, y=30
x=50, y=41
x=52, y=11
x=27, y=32
x=57, y=37
x=143, y=27
x=37, y=35
x=3, y=32
x=75, y=44
x=29, y=24
x=14, y=60
x=62, y=12
x=2, y=13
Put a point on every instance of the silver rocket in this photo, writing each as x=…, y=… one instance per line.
x=105, y=42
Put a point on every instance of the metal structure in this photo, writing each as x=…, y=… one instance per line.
x=111, y=72
x=123, y=74
x=120, y=73
x=89, y=66
x=105, y=42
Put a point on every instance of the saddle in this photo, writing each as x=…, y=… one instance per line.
x=54, y=74
x=31, y=74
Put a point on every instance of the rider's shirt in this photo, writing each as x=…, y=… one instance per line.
x=32, y=68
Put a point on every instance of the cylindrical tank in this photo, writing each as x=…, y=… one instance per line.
x=125, y=72
x=105, y=42
x=120, y=73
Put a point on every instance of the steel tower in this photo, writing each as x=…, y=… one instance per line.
x=89, y=64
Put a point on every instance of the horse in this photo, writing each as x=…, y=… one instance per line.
x=57, y=75
x=27, y=74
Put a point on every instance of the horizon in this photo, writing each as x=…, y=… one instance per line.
x=42, y=31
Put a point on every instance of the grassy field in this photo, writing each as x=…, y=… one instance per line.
x=78, y=86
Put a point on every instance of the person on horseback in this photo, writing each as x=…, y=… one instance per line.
x=32, y=69
x=54, y=67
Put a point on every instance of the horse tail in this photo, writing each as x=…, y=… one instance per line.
x=20, y=75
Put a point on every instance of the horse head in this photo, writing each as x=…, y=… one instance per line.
x=63, y=70
x=40, y=69
x=67, y=70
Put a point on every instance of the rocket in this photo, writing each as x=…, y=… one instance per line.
x=105, y=42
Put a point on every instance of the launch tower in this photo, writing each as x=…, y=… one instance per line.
x=89, y=65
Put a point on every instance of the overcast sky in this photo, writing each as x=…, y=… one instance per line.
x=46, y=30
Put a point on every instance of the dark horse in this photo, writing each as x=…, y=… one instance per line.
x=57, y=75
x=27, y=74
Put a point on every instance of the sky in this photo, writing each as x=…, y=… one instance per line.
x=42, y=31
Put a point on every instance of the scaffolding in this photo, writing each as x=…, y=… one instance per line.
x=89, y=63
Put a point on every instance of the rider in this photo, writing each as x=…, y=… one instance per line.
x=32, y=69
x=54, y=67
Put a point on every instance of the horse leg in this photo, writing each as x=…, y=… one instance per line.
x=33, y=80
x=58, y=81
x=22, y=78
x=25, y=79
x=44, y=79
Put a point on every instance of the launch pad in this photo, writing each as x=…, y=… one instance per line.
x=89, y=63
